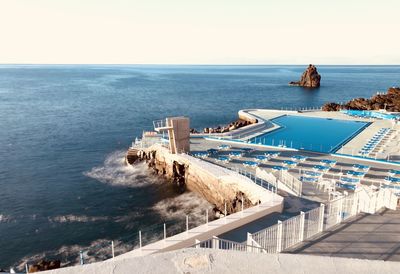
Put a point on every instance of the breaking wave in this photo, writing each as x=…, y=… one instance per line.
x=98, y=250
x=5, y=218
x=188, y=203
x=114, y=171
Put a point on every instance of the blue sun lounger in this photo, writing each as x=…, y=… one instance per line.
x=236, y=154
x=360, y=167
x=321, y=168
x=300, y=158
x=201, y=154
x=308, y=179
x=212, y=151
x=224, y=147
x=223, y=159
x=355, y=173
x=312, y=173
x=279, y=168
x=250, y=164
x=290, y=163
x=330, y=163
x=261, y=158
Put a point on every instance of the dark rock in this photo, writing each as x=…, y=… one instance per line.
x=331, y=107
x=232, y=126
x=45, y=265
x=309, y=79
x=389, y=101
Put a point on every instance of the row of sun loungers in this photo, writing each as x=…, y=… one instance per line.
x=350, y=180
x=374, y=141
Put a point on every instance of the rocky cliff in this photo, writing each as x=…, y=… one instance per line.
x=389, y=101
x=185, y=172
x=309, y=79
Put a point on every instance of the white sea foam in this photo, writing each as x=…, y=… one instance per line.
x=114, y=171
x=98, y=250
x=76, y=219
x=188, y=203
x=5, y=218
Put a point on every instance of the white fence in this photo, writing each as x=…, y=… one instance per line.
x=218, y=243
x=290, y=182
x=288, y=233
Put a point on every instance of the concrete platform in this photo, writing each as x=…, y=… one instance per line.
x=372, y=237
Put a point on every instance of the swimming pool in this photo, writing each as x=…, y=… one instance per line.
x=308, y=133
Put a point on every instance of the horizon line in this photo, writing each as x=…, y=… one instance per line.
x=190, y=64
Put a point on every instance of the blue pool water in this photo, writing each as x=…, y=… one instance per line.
x=315, y=134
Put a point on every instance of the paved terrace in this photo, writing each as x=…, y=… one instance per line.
x=373, y=237
x=375, y=175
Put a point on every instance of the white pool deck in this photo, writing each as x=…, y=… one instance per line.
x=375, y=175
x=389, y=148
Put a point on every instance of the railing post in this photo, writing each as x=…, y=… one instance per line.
x=112, y=249
x=279, y=237
x=225, y=212
x=165, y=232
x=197, y=243
x=242, y=205
x=215, y=242
x=81, y=257
x=187, y=224
x=321, y=218
x=140, y=240
x=249, y=242
x=301, y=228
x=340, y=211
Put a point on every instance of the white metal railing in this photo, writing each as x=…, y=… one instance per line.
x=290, y=181
x=217, y=243
x=268, y=238
x=269, y=184
x=147, y=142
x=288, y=233
x=160, y=124
x=312, y=223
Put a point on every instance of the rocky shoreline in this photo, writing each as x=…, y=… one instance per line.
x=239, y=123
x=390, y=101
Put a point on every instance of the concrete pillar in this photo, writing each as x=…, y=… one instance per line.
x=179, y=134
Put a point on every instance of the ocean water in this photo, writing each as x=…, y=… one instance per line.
x=64, y=130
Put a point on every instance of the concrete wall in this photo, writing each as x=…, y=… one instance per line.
x=216, y=184
x=219, y=261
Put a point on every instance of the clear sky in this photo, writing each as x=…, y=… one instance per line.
x=200, y=32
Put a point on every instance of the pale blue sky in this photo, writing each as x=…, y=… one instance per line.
x=200, y=32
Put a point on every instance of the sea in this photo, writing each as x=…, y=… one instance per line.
x=64, y=131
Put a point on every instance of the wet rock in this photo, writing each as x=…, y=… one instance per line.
x=309, y=79
x=331, y=107
x=389, y=101
x=232, y=126
x=44, y=265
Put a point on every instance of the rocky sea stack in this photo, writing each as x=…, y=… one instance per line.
x=389, y=101
x=309, y=79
